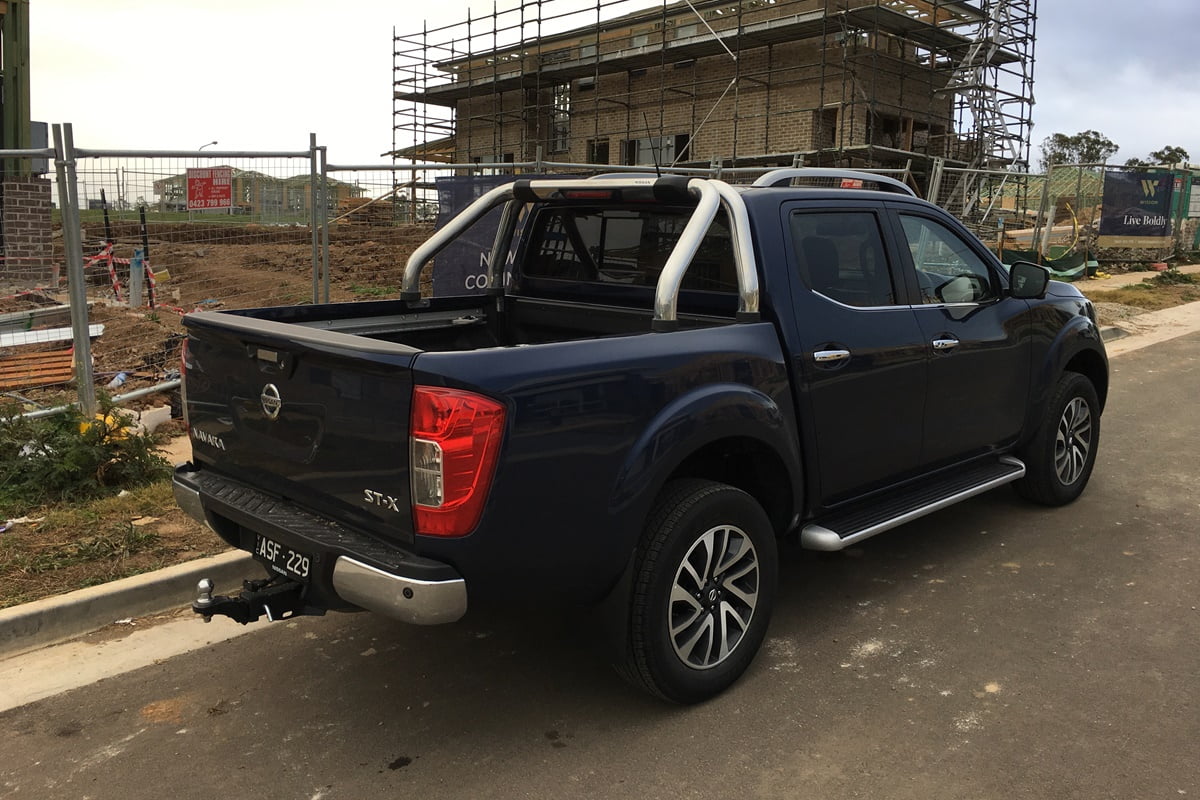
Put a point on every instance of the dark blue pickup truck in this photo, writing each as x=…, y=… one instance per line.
x=668, y=376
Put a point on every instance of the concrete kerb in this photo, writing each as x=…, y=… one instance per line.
x=56, y=619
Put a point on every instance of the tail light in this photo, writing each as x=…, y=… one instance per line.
x=455, y=438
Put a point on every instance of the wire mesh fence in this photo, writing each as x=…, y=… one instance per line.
x=163, y=235
x=373, y=227
x=156, y=235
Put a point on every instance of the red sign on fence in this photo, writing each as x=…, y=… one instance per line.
x=209, y=187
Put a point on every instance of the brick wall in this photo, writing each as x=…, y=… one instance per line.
x=792, y=97
x=28, y=249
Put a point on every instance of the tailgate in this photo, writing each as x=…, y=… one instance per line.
x=316, y=417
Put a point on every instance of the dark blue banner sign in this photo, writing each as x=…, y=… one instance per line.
x=1137, y=204
x=462, y=267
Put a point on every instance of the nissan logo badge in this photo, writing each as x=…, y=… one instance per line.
x=271, y=403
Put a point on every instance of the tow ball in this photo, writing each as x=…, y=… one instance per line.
x=276, y=597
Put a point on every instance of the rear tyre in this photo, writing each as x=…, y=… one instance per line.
x=1059, y=460
x=703, y=587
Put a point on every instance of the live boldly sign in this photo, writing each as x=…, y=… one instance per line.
x=1136, y=204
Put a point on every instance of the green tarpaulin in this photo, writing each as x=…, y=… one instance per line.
x=1066, y=267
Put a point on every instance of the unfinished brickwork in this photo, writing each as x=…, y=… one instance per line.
x=861, y=83
x=26, y=227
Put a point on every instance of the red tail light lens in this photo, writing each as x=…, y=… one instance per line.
x=455, y=440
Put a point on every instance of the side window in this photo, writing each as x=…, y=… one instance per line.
x=841, y=256
x=948, y=271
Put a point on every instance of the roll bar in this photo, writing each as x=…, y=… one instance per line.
x=710, y=196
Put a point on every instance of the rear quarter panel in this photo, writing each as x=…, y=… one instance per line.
x=594, y=430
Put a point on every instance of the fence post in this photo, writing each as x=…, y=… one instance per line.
x=324, y=222
x=935, y=179
x=314, y=219
x=1039, y=232
x=68, y=201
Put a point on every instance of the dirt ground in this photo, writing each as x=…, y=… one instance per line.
x=249, y=266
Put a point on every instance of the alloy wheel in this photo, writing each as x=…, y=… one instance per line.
x=1073, y=441
x=713, y=596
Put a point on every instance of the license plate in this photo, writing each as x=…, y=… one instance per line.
x=282, y=558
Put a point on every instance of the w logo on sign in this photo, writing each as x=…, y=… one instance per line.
x=1149, y=188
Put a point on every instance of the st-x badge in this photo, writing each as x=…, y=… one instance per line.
x=270, y=400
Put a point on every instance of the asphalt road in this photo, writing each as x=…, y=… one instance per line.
x=993, y=650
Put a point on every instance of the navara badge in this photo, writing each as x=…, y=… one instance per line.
x=270, y=400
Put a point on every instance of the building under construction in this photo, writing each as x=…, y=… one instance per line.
x=922, y=84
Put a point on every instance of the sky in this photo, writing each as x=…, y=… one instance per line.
x=263, y=74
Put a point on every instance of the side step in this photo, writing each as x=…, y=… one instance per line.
x=844, y=528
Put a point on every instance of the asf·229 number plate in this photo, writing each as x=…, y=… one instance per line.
x=281, y=558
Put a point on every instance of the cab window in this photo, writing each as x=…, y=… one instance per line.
x=948, y=270
x=840, y=255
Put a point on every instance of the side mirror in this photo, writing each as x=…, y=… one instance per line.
x=1029, y=281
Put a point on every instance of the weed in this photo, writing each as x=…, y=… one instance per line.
x=1173, y=277
x=66, y=457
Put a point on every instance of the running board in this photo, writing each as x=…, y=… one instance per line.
x=842, y=529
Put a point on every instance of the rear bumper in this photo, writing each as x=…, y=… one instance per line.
x=350, y=569
x=397, y=596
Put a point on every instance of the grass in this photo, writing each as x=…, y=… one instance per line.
x=1171, y=288
x=76, y=545
x=96, y=503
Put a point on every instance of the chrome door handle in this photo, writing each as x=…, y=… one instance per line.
x=945, y=344
x=826, y=356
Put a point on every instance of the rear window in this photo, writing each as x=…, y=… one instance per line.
x=625, y=246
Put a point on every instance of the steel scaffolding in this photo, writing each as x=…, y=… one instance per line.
x=945, y=84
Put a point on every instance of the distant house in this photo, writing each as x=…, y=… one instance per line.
x=258, y=194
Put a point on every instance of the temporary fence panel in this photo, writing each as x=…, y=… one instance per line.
x=159, y=234
x=165, y=233
x=373, y=225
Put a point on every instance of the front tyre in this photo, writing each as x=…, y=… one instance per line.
x=1059, y=459
x=704, y=585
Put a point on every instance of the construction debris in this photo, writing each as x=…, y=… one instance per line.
x=23, y=370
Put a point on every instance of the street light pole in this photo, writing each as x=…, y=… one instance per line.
x=201, y=147
x=198, y=149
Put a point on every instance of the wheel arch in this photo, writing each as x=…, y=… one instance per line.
x=750, y=465
x=1077, y=348
x=729, y=433
x=1092, y=366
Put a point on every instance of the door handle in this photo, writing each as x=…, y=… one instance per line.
x=945, y=343
x=828, y=356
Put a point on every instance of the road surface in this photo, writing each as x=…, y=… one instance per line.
x=993, y=650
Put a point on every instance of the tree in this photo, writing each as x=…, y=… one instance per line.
x=1085, y=147
x=1170, y=155
x=1136, y=162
